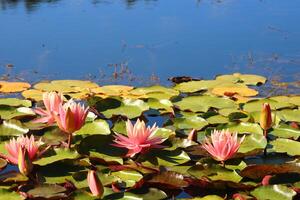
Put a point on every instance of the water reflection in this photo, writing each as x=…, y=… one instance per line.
x=32, y=5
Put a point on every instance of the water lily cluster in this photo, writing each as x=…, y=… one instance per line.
x=208, y=138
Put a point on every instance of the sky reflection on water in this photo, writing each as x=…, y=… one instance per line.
x=92, y=38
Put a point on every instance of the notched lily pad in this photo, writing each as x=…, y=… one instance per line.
x=47, y=191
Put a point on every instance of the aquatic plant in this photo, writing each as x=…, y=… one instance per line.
x=94, y=183
x=222, y=145
x=52, y=102
x=139, y=138
x=24, y=144
x=71, y=117
x=266, y=118
x=136, y=161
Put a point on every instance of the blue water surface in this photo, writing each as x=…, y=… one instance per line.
x=148, y=39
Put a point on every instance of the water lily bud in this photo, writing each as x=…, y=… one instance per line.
x=266, y=117
x=24, y=162
x=266, y=180
x=95, y=184
x=191, y=135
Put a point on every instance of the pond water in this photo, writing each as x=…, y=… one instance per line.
x=148, y=40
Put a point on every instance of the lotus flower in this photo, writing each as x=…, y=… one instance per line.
x=71, y=117
x=95, y=184
x=24, y=162
x=52, y=102
x=266, y=118
x=139, y=138
x=22, y=142
x=222, y=145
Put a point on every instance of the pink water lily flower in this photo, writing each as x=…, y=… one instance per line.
x=139, y=138
x=71, y=117
x=22, y=142
x=222, y=145
x=52, y=102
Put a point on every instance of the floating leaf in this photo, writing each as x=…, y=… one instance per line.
x=33, y=94
x=285, y=131
x=243, y=127
x=12, y=128
x=277, y=192
x=56, y=155
x=100, y=147
x=194, y=86
x=10, y=87
x=98, y=126
x=290, y=147
x=255, y=105
x=9, y=195
x=7, y=112
x=214, y=172
x=157, y=90
x=128, y=107
x=247, y=79
x=260, y=171
x=129, y=177
x=15, y=102
x=242, y=91
x=193, y=122
x=48, y=191
x=252, y=142
x=169, y=179
x=203, y=103
x=289, y=115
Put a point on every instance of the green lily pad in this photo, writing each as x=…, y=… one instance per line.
x=289, y=115
x=203, y=103
x=207, y=197
x=98, y=126
x=54, y=136
x=285, y=131
x=277, y=192
x=161, y=104
x=9, y=195
x=12, y=128
x=100, y=147
x=158, y=91
x=247, y=79
x=289, y=99
x=129, y=177
x=256, y=105
x=252, y=142
x=166, y=158
x=290, y=147
x=15, y=102
x=193, y=122
x=149, y=194
x=8, y=112
x=215, y=172
x=12, y=177
x=243, y=127
x=195, y=86
x=56, y=155
x=217, y=119
x=127, y=107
